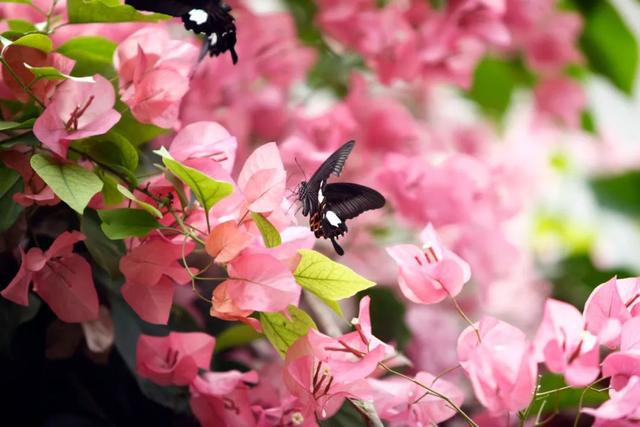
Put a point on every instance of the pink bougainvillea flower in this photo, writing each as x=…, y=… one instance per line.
x=429, y=275
x=154, y=75
x=262, y=179
x=221, y=399
x=624, y=405
x=321, y=371
x=202, y=142
x=403, y=403
x=60, y=277
x=609, y=306
x=77, y=110
x=150, y=271
x=552, y=45
x=501, y=367
x=174, y=359
x=19, y=57
x=223, y=307
x=561, y=99
x=35, y=190
x=362, y=338
x=226, y=241
x=564, y=345
x=259, y=282
x=624, y=364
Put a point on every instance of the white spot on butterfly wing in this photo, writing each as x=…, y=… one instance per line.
x=320, y=195
x=332, y=218
x=198, y=16
x=213, y=39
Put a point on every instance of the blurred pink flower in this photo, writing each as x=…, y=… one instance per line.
x=430, y=274
x=150, y=271
x=221, y=399
x=78, y=110
x=609, y=306
x=262, y=179
x=624, y=364
x=403, y=403
x=259, y=282
x=561, y=99
x=154, y=74
x=60, y=277
x=553, y=43
x=174, y=359
x=624, y=405
x=502, y=367
x=563, y=344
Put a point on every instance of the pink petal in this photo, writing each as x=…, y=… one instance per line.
x=224, y=308
x=624, y=403
x=63, y=245
x=630, y=335
x=264, y=157
x=205, y=140
x=66, y=285
x=147, y=263
x=226, y=241
x=621, y=366
x=158, y=96
x=259, y=282
x=605, y=304
x=18, y=290
x=151, y=302
x=265, y=189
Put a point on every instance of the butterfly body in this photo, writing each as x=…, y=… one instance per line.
x=208, y=17
x=331, y=205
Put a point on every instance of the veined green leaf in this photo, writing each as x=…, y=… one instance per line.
x=51, y=73
x=270, y=234
x=36, y=41
x=93, y=55
x=326, y=278
x=73, y=184
x=282, y=332
x=125, y=222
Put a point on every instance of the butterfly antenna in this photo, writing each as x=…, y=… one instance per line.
x=300, y=167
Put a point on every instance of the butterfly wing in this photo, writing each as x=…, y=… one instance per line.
x=348, y=200
x=315, y=186
x=211, y=18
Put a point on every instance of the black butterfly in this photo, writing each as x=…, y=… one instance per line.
x=210, y=17
x=330, y=205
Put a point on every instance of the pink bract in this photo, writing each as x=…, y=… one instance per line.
x=173, y=359
x=60, y=277
x=502, y=368
x=77, y=110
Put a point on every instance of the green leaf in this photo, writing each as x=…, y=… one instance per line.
x=16, y=1
x=208, y=191
x=137, y=133
x=51, y=73
x=93, y=55
x=619, y=192
x=10, y=184
x=236, y=336
x=87, y=11
x=144, y=205
x=282, y=332
x=28, y=124
x=111, y=149
x=21, y=26
x=105, y=252
x=110, y=191
x=125, y=222
x=73, y=184
x=270, y=234
x=36, y=41
x=27, y=138
x=608, y=44
x=326, y=278
x=493, y=84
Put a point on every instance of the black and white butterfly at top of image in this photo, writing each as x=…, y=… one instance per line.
x=208, y=17
x=331, y=205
